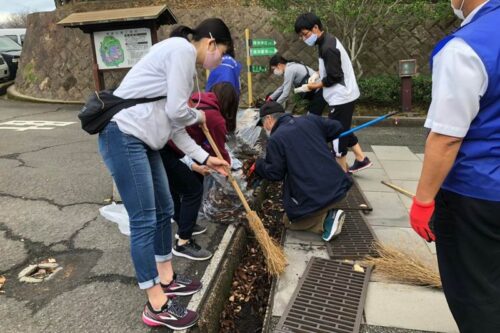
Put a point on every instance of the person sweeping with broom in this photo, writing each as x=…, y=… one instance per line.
x=460, y=181
x=297, y=153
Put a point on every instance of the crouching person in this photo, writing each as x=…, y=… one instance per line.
x=297, y=153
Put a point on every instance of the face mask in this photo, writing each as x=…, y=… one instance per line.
x=459, y=12
x=212, y=58
x=278, y=72
x=311, y=40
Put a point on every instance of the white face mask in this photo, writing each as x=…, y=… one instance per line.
x=459, y=12
x=278, y=72
x=311, y=40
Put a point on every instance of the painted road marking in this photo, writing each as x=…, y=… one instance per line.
x=26, y=125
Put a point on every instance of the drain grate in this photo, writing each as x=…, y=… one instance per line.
x=355, y=241
x=329, y=299
x=354, y=200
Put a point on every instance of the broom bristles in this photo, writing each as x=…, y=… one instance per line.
x=403, y=268
x=274, y=254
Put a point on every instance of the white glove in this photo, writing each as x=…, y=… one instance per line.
x=313, y=78
x=303, y=89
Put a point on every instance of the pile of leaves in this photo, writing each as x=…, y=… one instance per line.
x=246, y=307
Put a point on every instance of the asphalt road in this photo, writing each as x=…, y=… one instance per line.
x=52, y=183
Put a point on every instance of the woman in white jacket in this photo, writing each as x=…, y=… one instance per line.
x=129, y=146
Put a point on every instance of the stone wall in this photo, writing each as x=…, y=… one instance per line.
x=56, y=62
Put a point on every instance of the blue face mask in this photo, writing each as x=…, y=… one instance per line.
x=311, y=40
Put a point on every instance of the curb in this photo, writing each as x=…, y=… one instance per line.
x=391, y=122
x=12, y=93
x=4, y=86
x=217, y=281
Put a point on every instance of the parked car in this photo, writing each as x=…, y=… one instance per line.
x=17, y=34
x=4, y=70
x=11, y=52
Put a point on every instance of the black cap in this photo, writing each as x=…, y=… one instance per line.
x=269, y=108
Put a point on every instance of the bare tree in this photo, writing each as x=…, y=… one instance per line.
x=19, y=20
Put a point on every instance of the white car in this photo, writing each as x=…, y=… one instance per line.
x=4, y=70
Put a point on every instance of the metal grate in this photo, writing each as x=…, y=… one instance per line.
x=329, y=299
x=355, y=200
x=355, y=241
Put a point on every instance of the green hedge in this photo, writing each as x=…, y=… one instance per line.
x=385, y=90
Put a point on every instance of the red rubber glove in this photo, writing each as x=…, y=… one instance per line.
x=251, y=170
x=269, y=99
x=420, y=216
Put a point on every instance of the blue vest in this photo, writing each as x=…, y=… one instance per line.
x=476, y=172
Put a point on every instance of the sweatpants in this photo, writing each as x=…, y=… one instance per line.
x=468, y=249
x=186, y=187
x=343, y=113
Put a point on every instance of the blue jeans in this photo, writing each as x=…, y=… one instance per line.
x=142, y=182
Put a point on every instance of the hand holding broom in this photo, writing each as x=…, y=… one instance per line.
x=275, y=257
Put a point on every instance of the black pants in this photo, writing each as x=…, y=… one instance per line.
x=186, y=187
x=343, y=113
x=468, y=249
x=317, y=103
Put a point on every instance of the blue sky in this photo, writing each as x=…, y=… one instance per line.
x=10, y=6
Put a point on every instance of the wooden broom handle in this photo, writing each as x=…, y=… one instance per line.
x=228, y=169
x=399, y=189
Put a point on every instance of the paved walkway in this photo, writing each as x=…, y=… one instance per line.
x=387, y=304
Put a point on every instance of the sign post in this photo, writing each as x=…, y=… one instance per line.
x=249, y=63
x=119, y=37
x=263, y=47
x=407, y=69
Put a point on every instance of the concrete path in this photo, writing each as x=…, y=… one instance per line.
x=389, y=305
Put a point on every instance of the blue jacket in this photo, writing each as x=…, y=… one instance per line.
x=476, y=171
x=228, y=71
x=297, y=153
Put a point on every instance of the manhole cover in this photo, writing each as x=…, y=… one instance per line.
x=355, y=200
x=329, y=299
x=356, y=240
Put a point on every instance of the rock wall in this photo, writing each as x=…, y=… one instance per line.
x=56, y=62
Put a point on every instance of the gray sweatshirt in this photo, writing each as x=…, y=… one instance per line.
x=293, y=77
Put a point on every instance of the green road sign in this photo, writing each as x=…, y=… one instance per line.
x=262, y=42
x=258, y=69
x=262, y=52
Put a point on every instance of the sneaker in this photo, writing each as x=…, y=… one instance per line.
x=358, y=166
x=172, y=315
x=191, y=250
x=182, y=286
x=199, y=229
x=332, y=226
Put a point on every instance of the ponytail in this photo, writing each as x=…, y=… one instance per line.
x=182, y=31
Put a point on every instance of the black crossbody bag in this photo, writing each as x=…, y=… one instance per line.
x=101, y=106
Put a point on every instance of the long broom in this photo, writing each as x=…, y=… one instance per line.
x=275, y=257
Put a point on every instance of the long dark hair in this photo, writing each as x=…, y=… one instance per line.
x=228, y=103
x=279, y=59
x=212, y=27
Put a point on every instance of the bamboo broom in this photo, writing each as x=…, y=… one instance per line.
x=275, y=257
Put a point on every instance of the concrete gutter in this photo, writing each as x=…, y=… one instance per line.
x=209, y=303
x=12, y=93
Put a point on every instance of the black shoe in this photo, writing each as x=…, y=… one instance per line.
x=358, y=166
x=198, y=229
x=191, y=250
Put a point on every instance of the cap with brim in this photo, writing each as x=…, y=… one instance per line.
x=269, y=108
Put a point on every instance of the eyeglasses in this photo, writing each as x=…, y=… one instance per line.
x=304, y=35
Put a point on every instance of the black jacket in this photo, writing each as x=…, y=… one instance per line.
x=328, y=51
x=298, y=153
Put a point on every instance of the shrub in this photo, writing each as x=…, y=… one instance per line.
x=385, y=90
